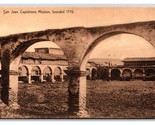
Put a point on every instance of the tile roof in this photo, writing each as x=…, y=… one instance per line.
x=43, y=56
x=142, y=59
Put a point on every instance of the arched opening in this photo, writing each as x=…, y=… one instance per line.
x=47, y=74
x=138, y=74
x=89, y=74
x=115, y=74
x=94, y=74
x=114, y=48
x=36, y=74
x=103, y=74
x=40, y=58
x=127, y=74
x=23, y=74
x=150, y=74
x=57, y=74
x=64, y=75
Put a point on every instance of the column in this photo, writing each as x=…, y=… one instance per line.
x=89, y=74
x=109, y=74
x=144, y=75
x=77, y=93
x=121, y=74
x=133, y=75
x=42, y=77
x=13, y=89
x=9, y=84
x=52, y=78
x=62, y=77
x=29, y=79
x=9, y=93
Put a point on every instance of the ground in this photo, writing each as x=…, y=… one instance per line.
x=114, y=99
x=121, y=99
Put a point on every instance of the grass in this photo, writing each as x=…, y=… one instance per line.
x=114, y=99
x=119, y=99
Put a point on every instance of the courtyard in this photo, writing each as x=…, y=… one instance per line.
x=105, y=99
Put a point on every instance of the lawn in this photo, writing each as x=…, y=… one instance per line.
x=114, y=99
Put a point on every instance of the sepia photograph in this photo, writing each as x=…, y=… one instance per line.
x=77, y=62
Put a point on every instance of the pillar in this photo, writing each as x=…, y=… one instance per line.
x=133, y=75
x=42, y=77
x=77, y=93
x=9, y=92
x=144, y=76
x=121, y=74
x=52, y=78
x=9, y=84
x=109, y=75
x=13, y=89
x=62, y=77
x=90, y=73
x=29, y=79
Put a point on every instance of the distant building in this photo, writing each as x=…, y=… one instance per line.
x=43, y=65
x=132, y=68
x=54, y=51
x=49, y=65
x=140, y=62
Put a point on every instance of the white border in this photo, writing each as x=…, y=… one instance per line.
x=140, y=2
x=78, y=3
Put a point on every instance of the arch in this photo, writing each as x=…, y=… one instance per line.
x=23, y=73
x=138, y=74
x=47, y=73
x=94, y=73
x=104, y=74
x=90, y=48
x=150, y=74
x=36, y=74
x=115, y=74
x=57, y=73
x=127, y=74
x=73, y=61
x=23, y=70
x=89, y=73
x=23, y=46
x=99, y=39
x=11, y=55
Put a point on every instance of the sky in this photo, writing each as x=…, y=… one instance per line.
x=119, y=46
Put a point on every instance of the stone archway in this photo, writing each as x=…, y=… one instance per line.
x=36, y=74
x=77, y=43
x=47, y=74
x=127, y=74
x=13, y=60
x=150, y=74
x=89, y=74
x=115, y=74
x=94, y=74
x=58, y=74
x=23, y=74
x=138, y=74
x=104, y=74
